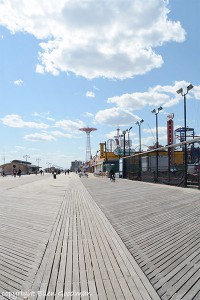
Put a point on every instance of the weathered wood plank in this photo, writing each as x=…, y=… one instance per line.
x=162, y=233
x=71, y=248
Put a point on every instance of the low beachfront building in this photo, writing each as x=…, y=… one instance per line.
x=13, y=166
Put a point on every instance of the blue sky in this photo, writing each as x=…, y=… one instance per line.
x=105, y=64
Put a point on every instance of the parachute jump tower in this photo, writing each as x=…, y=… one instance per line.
x=88, y=130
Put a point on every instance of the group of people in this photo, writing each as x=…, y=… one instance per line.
x=17, y=173
x=41, y=172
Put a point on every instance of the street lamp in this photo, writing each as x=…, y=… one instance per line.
x=38, y=160
x=124, y=133
x=140, y=147
x=180, y=91
x=139, y=124
x=156, y=112
x=128, y=130
x=26, y=156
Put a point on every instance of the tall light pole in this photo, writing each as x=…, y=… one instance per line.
x=180, y=91
x=156, y=112
x=140, y=145
x=139, y=125
x=124, y=135
x=129, y=150
x=26, y=156
x=38, y=160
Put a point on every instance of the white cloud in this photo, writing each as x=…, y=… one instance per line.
x=18, y=82
x=57, y=134
x=196, y=92
x=151, y=138
x=69, y=125
x=116, y=117
x=95, y=88
x=88, y=114
x=16, y=121
x=50, y=119
x=122, y=113
x=146, y=142
x=36, y=114
x=90, y=94
x=111, y=134
x=137, y=101
x=162, y=130
x=113, y=39
x=44, y=116
x=155, y=96
x=37, y=137
x=20, y=148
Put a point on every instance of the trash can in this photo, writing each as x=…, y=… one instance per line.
x=54, y=175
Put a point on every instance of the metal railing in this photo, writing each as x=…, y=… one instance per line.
x=166, y=165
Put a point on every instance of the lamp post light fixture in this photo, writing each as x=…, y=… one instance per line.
x=26, y=156
x=140, y=147
x=124, y=135
x=38, y=161
x=139, y=124
x=180, y=91
x=129, y=150
x=156, y=112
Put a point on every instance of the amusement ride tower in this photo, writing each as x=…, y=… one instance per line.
x=88, y=130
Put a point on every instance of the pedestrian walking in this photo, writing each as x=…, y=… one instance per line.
x=112, y=175
x=19, y=173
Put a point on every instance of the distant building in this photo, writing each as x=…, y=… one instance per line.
x=105, y=161
x=76, y=165
x=25, y=166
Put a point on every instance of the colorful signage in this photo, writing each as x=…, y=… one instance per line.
x=170, y=132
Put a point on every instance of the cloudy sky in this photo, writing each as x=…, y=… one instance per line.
x=106, y=64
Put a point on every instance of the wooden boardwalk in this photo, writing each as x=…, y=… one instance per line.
x=55, y=243
x=160, y=225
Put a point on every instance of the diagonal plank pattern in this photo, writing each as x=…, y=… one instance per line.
x=160, y=226
x=26, y=220
x=85, y=258
x=59, y=245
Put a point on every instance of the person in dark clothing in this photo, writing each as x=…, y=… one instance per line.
x=112, y=175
